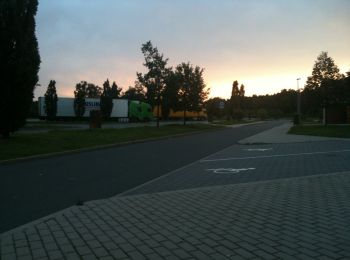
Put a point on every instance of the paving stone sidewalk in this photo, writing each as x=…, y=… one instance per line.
x=297, y=218
x=279, y=135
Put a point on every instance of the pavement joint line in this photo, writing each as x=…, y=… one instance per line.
x=272, y=156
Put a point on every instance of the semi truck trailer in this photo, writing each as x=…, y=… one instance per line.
x=122, y=108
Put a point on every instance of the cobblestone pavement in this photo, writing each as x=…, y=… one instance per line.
x=296, y=218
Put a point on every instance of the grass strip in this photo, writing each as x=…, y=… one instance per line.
x=23, y=145
x=341, y=131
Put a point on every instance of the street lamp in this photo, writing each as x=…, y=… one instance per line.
x=298, y=100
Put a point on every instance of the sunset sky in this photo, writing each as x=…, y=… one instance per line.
x=266, y=45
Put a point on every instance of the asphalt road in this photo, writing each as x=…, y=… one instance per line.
x=33, y=189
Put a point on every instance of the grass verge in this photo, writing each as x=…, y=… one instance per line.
x=23, y=145
x=342, y=131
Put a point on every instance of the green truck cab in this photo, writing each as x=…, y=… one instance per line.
x=140, y=111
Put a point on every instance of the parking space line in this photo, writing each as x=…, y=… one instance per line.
x=272, y=156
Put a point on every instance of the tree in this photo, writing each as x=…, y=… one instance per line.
x=235, y=100
x=324, y=68
x=241, y=91
x=235, y=90
x=20, y=60
x=170, y=94
x=115, y=91
x=93, y=91
x=154, y=79
x=192, y=92
x=51, y=100
x=215, y=108
x=106, y=100
x=135, y=93
x=79, y=100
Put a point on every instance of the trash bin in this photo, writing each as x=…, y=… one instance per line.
x=95, y=119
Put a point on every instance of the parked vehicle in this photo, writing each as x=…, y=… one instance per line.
x=140, y=111
x=123, y=109
x=193, y=115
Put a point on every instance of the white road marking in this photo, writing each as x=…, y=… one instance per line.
x=229, y=170
x=258, y=149
x=271, y=156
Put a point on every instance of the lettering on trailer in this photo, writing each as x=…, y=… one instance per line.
x=229, y=170
x=258, y=149
x=92, y=104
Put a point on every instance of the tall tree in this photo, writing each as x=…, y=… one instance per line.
x=313, y=96
x=51, y=100
x=20, y=60
x=192, y=90
x=235, y=100
x=235, y=90
x=170, y=94
x=79, y=98
x=154, y=79
x=241, y=91
x=106, y=100
x=324, y=68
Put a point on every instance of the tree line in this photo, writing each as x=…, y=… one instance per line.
x=326, y=86
x=181, y=88
x=20, y=61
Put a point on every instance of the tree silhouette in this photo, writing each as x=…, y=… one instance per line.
x=324, y=68
x=115, y=91
x=154, y=79
x=79, y=100
x=51, y=100
x=192, y=92
x=106, y=100
x=135, y=93
x=20, y=60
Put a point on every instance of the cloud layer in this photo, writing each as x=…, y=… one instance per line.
x=264, y=44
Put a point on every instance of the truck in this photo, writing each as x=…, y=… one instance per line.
x=123, y=109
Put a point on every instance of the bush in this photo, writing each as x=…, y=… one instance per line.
x=262, y=113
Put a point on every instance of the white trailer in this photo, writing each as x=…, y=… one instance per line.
x=65, y=107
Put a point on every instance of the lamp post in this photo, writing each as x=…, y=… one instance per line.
x=158, y=104
x=298, y=100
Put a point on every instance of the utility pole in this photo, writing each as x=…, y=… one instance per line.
x=158, y=101
x=298, y=100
